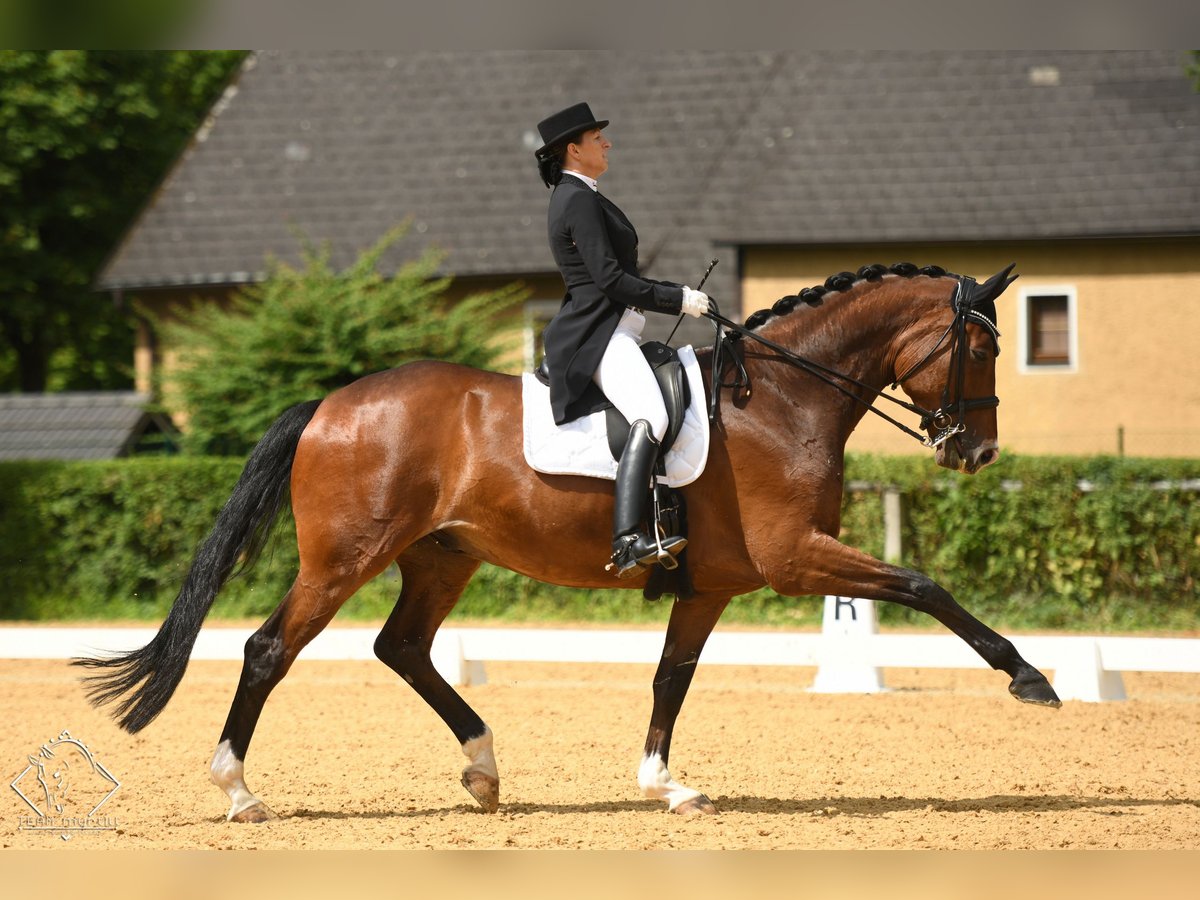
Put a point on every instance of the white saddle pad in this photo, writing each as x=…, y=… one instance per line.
x=581, y=447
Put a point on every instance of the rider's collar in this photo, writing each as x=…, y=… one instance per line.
x=590, y=182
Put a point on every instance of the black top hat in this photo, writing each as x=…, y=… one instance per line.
x=565, y=124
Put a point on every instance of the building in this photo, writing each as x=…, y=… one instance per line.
x=81, y=425
x=1080, y=166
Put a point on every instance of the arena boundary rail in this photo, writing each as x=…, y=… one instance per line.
x=1086, y=668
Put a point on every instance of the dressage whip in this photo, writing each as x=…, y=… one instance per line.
x=711, y=266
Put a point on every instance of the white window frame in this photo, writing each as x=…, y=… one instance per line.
x=535, y=309
x=1027, y=293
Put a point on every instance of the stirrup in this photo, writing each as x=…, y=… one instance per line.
x=637, y=552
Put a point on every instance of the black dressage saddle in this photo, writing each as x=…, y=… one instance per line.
x=668, y=372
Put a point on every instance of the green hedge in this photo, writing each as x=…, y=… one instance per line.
x=1064, y=542
x=113, y=540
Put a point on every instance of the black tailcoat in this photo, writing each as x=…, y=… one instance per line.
x=595, y=248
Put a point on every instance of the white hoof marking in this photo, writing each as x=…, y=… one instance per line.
x=657, y=784
x=479, y=752
x=226, y=771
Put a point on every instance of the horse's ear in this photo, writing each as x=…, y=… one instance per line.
x=994, y=286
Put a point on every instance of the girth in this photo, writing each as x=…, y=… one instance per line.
x=672, y=382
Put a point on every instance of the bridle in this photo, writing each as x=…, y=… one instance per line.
x=948, y=418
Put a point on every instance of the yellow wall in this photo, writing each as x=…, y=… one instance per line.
x=1138, y=323
x=153, y=357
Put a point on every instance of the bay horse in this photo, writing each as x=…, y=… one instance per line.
x=423, y=465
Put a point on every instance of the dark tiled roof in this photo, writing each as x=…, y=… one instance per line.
x=94, y=425
x=975, y=146
x=737, y=147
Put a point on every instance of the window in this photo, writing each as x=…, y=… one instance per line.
x=1048, y=331
x=538, y=314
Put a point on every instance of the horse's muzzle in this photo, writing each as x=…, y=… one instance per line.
x=952, y=455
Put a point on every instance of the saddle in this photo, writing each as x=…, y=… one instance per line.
x=668, y=372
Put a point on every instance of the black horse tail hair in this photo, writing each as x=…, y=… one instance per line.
x=141, y=682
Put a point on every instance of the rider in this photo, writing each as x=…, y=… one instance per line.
x=595, y=335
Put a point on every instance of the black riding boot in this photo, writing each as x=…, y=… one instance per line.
x=631, y=548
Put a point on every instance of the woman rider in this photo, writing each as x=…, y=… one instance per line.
x=594, y=337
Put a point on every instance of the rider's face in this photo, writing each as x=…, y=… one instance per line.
x=589, y=155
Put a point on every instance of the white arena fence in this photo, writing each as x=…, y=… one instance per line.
x=1086, y=668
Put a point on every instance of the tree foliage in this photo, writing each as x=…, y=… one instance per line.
x=86, y=23
x=306, y=331
x=86, y=136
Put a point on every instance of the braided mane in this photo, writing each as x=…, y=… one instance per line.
x=842, y=281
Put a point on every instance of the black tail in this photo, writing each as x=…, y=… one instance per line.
x=150, y=675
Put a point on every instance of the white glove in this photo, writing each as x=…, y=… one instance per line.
x=695, y=303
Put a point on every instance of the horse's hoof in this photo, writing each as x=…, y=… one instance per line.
x=1032, y=687
x=484, y=788
x=697, y=806
x=259, y=812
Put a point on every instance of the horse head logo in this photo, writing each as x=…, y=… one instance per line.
x=54, y=776
x=63, y=778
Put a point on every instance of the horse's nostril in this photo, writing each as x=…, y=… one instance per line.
x=987, y=457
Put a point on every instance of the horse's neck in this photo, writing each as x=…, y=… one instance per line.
x=853, y=332
x=856, y=333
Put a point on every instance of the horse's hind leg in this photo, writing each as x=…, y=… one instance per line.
x=305, y=610
x=691, y=624
x=434, y=578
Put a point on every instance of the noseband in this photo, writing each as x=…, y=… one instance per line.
x=948, y=418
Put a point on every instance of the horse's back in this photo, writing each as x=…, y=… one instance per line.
x=423, y=375
x=426, y=393
x=421, y=420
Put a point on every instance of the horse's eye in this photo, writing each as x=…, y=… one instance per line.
x=978, y=355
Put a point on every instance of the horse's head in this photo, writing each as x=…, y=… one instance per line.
x=948, y=366
x=53, y=775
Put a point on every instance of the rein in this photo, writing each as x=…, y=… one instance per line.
x=948, y=418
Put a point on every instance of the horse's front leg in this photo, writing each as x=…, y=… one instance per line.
x=823, y=565
x=691, y=624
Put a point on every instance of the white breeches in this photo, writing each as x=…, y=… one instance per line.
x=626, y=379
